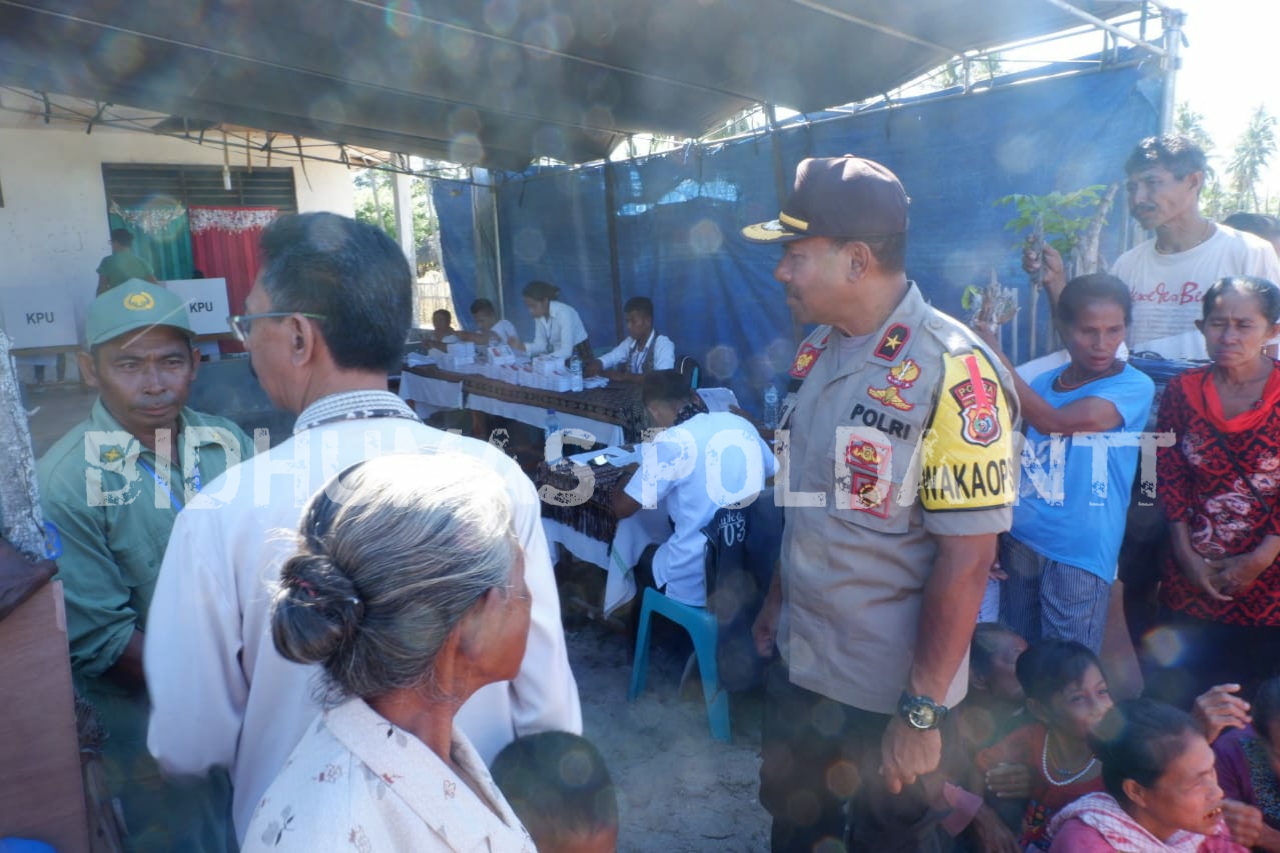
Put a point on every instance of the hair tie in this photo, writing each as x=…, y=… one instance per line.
x=306, y=587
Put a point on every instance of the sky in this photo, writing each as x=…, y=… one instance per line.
x=1229, y=68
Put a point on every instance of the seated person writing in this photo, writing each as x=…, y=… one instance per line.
x=489, y=329
x=674, y=480
x=643, y=351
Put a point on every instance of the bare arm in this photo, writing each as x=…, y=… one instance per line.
x=623, y=504
x=952, y=596
x=1089, y=414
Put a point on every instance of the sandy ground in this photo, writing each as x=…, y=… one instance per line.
x=678, y=789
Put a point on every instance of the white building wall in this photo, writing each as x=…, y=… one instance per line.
x=53, y=225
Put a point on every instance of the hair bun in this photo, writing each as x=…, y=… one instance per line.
x=317, y=609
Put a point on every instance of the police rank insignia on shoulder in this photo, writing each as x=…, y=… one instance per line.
x=976, y=397
x=900, y=378
x=805, y=359
x=967, y=459
x=895, y=337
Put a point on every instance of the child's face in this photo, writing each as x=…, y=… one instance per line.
x=1002, y=681
x=485, y=320
x=1077, y=708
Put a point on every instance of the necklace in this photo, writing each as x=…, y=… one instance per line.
x=1205, y=234
x=1064, y=385
x=1044, y=765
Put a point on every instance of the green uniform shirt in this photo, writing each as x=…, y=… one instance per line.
x=113, y=504
x=119, y=267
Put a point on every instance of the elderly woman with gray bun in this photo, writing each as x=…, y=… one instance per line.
x=411, y=598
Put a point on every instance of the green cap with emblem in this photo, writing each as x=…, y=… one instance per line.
x=134, y=305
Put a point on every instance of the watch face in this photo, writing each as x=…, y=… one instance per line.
x=922, y=716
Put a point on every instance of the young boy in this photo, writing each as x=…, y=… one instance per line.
x=559, y=787
x=1049, y=764
x=489, y=329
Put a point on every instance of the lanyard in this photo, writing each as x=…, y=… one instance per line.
x=161, y=485
x=637, y=358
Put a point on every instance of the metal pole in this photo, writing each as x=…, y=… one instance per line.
x=1114, y=30
x=1169, y=63
x=497, y=249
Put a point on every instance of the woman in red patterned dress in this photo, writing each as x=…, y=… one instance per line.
x=1219, y=485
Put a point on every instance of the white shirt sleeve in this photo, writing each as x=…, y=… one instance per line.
x=540, y=336
x=566, y=330
x=617, y=355
x=191, y=649
x=544, y=694
x=503, y=330
x=664, y=354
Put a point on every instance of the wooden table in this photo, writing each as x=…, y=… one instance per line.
x=614, y=415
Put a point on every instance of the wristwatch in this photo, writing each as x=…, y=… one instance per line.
x=921, y=712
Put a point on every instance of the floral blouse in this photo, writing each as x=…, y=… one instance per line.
x=356, y=782
x=1198, y=483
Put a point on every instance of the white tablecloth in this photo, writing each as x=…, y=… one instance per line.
x=430, y=395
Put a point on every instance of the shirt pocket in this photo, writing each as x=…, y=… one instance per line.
x=868, y=469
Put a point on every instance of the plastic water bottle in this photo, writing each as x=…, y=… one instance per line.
x=575, y=374
x=552, y=427
x=771, y=408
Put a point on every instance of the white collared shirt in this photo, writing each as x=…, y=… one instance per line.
x=633, y=358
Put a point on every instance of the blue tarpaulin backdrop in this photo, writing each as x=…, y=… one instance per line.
x=677, y=215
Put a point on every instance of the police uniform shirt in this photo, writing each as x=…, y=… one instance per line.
x=911, y=440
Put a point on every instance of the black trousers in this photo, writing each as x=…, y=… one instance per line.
x=820, y=778
x=1186, y=656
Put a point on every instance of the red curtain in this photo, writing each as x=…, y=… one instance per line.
x=224, y=244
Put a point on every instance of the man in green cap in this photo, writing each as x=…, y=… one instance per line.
x=112, y=487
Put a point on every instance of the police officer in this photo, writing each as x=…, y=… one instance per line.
x=897, y=475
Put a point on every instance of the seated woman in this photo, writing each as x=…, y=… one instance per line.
x=558, y=329
x=1248, y=762
x=411, y=597
x=1059, y=582
x=1161, y=790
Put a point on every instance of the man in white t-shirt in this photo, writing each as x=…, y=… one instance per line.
x=489, y=329
x=1169, y=273
x=642, y=351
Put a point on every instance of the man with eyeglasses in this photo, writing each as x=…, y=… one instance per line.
x=113, y=487
x=325, y=320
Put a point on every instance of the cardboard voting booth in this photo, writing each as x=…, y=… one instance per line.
x=38, y=317
x=207, y=304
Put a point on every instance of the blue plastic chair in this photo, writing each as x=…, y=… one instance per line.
x=725, y=550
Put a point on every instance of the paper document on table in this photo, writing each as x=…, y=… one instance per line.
x=595, y=382
x=417, y=359
x=615, y=456
x=718, y=399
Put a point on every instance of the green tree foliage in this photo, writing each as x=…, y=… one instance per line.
x=375, y=204
x=1249, y=159
x=1065, y=216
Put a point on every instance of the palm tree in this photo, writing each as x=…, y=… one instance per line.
x=1249, y=159
x=1189, y=123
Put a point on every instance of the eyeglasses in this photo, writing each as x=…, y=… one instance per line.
x=241, y=323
